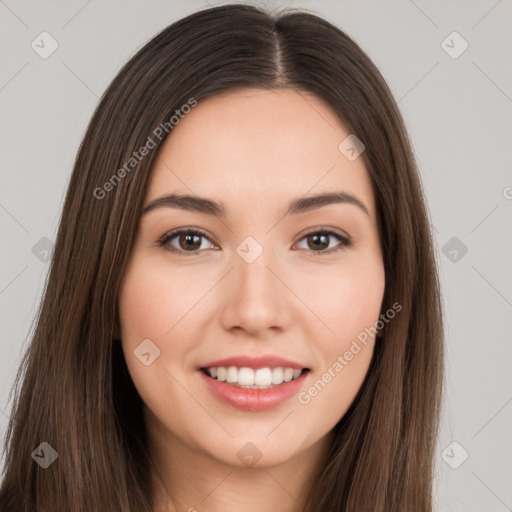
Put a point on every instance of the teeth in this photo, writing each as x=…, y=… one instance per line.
x=261, y=378
x=246, y=377
x=232, y=374
x=277, y=376
x=288, y=375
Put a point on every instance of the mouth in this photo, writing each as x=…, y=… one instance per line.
x=254, y=378
x=253, y=389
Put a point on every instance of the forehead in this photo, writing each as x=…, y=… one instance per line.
x=258, y=145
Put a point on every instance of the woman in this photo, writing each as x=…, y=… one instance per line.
x=243, y=306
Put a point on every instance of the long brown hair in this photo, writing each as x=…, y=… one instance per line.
x=73, y=390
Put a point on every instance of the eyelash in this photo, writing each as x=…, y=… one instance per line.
x=164, y=241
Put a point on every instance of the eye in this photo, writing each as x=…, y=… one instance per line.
x=190, y=241
x=184, y=241
x=320, y=241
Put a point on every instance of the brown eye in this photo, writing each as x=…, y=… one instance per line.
x=318, y=241
x=185, y=241
x=324, y=241
x=192, y=242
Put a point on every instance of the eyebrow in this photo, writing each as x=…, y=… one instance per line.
x=209, y=207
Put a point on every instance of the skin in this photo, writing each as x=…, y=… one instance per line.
x=254, y=151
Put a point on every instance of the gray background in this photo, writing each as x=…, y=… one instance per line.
x=458, y=111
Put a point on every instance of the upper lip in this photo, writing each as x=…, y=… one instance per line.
x=266, y=361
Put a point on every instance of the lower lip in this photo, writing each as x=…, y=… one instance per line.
x=254, y=399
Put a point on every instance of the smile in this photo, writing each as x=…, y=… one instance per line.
x=249, y=378
x=270, y=388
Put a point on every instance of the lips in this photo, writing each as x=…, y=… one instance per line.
x=269, y=361
x=270, y=394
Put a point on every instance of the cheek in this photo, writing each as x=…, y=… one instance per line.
x=348, y=299
x=153, y=304
x=153, y=300
x=349, y=305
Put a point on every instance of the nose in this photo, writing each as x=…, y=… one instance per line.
x=255, y=300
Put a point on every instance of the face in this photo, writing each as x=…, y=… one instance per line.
x=249, y=290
